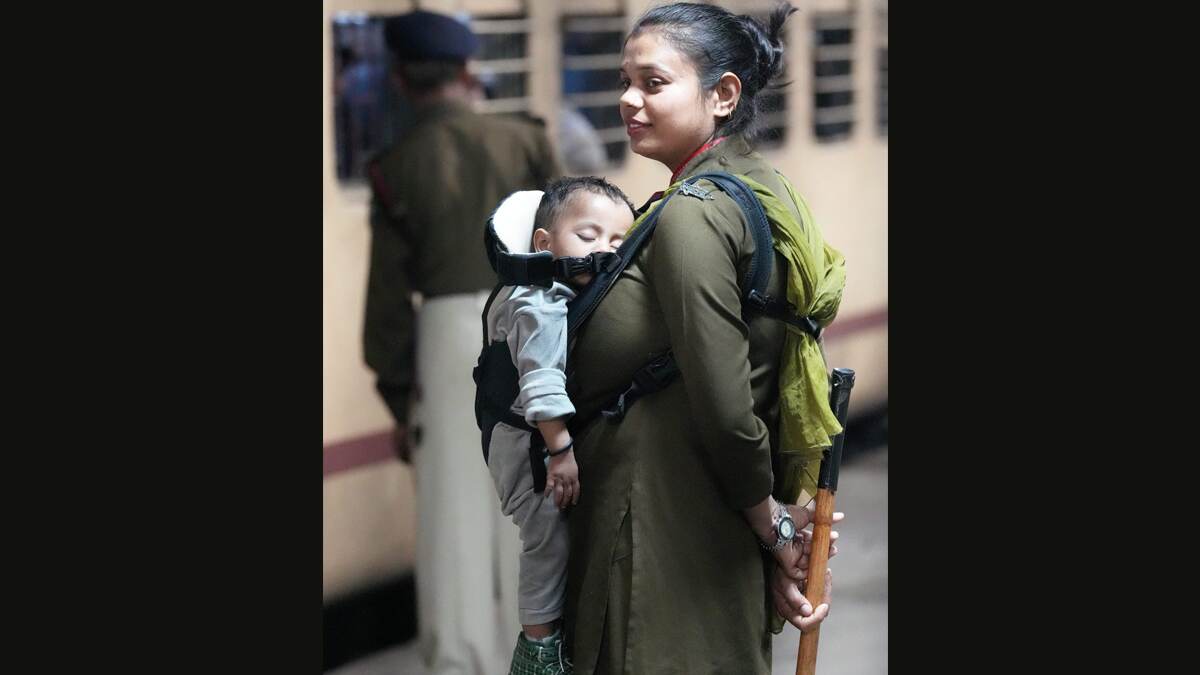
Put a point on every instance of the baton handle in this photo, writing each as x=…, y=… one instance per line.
x=814, y=590
x=841, y=382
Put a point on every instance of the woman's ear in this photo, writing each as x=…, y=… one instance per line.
x=726, y=95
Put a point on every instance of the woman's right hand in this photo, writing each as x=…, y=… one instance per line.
x=793, y=559
x=793, y=606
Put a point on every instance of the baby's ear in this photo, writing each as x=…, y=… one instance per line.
x=541, y=240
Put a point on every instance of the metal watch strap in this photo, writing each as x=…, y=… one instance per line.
x=780, y=542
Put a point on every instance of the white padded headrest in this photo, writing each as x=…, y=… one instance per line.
x=513, y=220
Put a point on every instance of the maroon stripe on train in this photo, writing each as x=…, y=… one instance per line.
x=377, y=447
x=357, y=452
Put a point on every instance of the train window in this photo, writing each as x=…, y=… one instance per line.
x=591, y=134
x=882, y=55
x=502, y=64
x=369, y=113
x=833, y=79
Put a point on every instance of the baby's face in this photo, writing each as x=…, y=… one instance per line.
x=589, y=224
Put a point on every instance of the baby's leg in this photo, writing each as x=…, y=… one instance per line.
x=542, y=582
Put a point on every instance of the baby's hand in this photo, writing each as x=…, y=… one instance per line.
x=562, y=479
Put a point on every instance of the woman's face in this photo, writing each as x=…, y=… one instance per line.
x=665, y=114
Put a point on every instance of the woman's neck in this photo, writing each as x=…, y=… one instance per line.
x=678, y=168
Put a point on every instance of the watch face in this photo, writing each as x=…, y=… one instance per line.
x=787, y=529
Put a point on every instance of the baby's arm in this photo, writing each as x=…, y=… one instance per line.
x=538, y=343
x=562, y=473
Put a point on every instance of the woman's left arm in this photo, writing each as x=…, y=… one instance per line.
x=693, y=269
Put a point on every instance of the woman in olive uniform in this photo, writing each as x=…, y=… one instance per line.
x=667, y=571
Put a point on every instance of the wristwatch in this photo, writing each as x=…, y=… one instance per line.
x=785, y=529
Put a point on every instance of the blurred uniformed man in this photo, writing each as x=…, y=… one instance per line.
x=432, y=193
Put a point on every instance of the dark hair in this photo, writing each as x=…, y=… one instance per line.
x=425, y=76
x=718, y=41
x=558, y=195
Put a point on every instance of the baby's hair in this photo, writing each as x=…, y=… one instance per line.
x=558, y=195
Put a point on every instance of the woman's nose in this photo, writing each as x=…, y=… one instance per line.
x=630, y=98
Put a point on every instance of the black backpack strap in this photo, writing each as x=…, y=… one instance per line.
x=582, y=306
x=652, y=377
x=758, y=275
x=487, y=306
x=782, y=311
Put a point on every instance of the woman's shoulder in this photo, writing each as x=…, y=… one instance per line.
x=700, y=211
